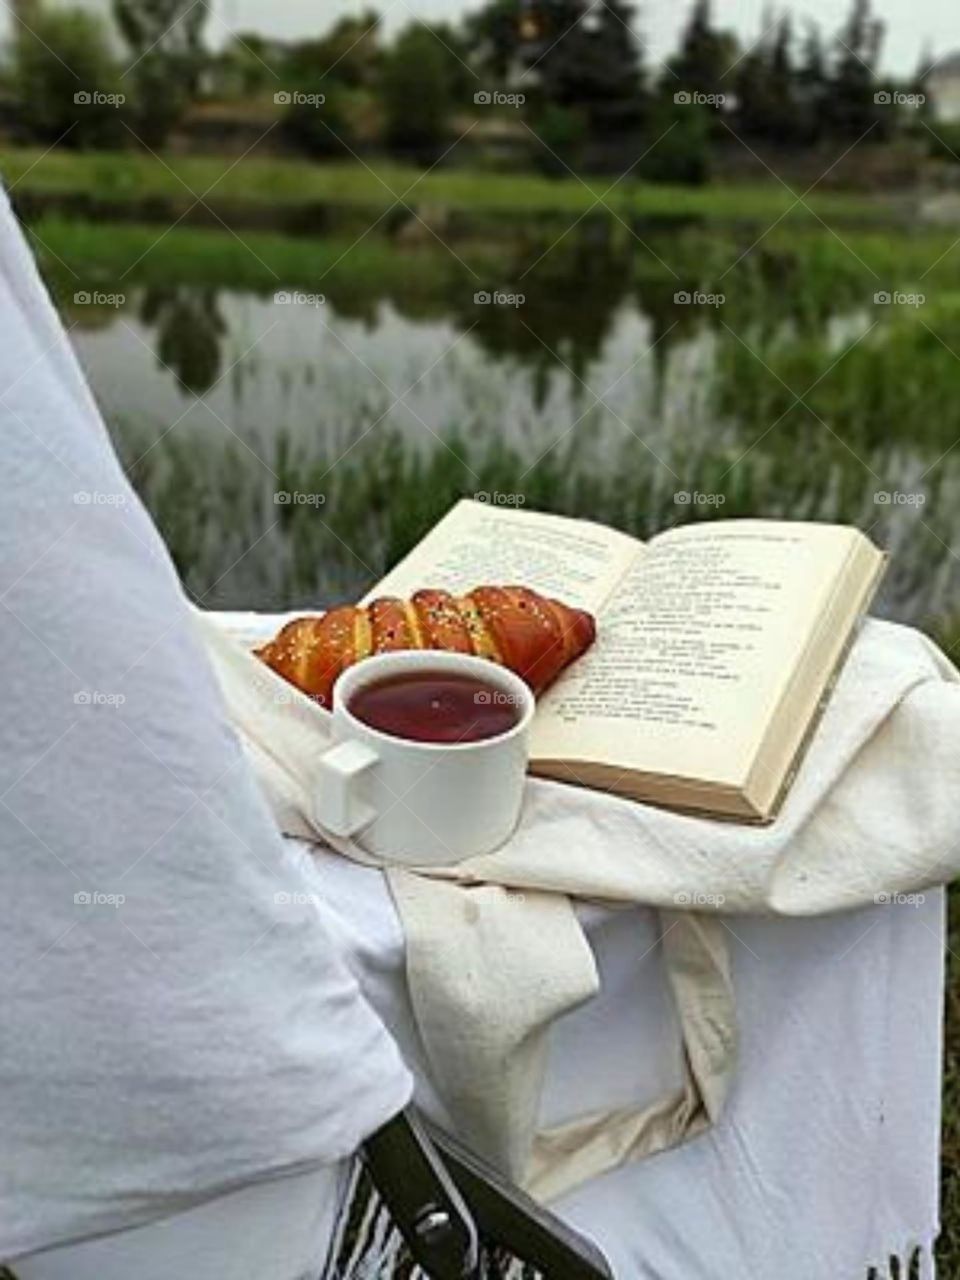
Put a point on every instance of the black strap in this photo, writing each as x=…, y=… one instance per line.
x=424, y=1202
x=442, y=1197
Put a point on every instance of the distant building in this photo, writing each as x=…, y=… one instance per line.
x=942, y=87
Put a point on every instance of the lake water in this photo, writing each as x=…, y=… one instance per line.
x=627, y=381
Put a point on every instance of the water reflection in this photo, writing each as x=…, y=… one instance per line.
x=598, y=394
x=188, y=325
x=193, y=355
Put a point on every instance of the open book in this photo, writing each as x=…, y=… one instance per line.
x=717, y=644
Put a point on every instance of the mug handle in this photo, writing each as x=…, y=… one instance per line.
x=335, y=805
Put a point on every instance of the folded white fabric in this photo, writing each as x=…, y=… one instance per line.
x=494, y=952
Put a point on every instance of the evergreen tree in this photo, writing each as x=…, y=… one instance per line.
x=782, y=122
x=706, y=54
x=756, y=89
x=812, y=88
x=592, y=64
x=851, y=109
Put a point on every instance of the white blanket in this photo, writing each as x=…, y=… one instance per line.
x=494, y=950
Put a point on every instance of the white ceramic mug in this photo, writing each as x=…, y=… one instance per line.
x=423, y=803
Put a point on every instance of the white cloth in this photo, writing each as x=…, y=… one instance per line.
x=494, y=953
x=275, y=1230
x=825, y=1160
x=824, y=1163
x=168, y=1030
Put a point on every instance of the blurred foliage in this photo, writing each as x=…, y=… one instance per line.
x=276, y=183
x=165, y=41
x=944, y=142
x=339, y=67
x=421, y=85
x=320, y=128
x=589, y=83
x=66, y=79
x=589, y=100
x=562, y=132
x=682, y=154
x=189, y=331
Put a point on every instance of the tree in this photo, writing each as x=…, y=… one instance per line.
x=418, y=90
x=350, y=54
x=165, y=39
x=706, y=55
x=591, y=68
x=770, y=88
x=851, y=109
x=684, y=154
x=783, y=89
x=756, y=90
x=812, y=88
x=493, y=38
x=247, y=66
x=65, y=78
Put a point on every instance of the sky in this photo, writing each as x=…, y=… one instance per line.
x=911, y=24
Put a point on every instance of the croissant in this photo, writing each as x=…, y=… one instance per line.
x=532, y=635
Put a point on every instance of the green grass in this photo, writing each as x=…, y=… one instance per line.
x=802, y=272
x=259, y=261
x=70, y=250
x=286, y=183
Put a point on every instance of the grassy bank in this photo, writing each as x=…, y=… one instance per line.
x=800, y=271
x=374, y=186
x=72, y=251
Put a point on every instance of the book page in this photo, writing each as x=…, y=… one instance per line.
x=696, y=648
x=577, y=561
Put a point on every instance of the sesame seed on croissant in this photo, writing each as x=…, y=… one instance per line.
x=531, y=634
